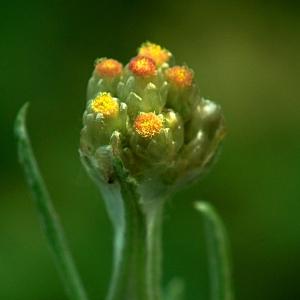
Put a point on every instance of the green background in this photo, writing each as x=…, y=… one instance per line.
x=246, y=57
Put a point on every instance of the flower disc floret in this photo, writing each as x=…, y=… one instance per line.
x=109, y=68
x=105, y=104
x=142, y=66
x=147, y=125
x=155, y=52
x=180, y=76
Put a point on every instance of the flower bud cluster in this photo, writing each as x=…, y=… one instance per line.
x=150, y=114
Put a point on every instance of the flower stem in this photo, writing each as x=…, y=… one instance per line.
x=48, y=217
x=128, y=279
x=154, y=253
x=137, y=245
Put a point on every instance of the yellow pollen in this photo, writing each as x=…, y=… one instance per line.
x=155, y=52
x=105, y=104
x=148, y=125
x=180, y=76
x=142, y=66
x=108, y=67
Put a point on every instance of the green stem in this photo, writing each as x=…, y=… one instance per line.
x=137, y=244
x=48, y=217
x=128, y=278
x=154, y=253
x=218, y=253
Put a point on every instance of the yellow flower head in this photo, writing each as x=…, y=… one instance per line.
x=142, y=66
x=155, y=52
x=108, y=68
x=148, y=125
x=105, y=104
x=180, y=76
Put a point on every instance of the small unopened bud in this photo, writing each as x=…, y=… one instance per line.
x=206, y=116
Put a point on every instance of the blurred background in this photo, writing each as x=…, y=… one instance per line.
x=246, y=57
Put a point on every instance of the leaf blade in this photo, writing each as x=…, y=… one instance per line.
x=48, y=217
x=218, y=253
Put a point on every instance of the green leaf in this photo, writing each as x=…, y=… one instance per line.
x=48, y=217
x=217, y=252
x=175, y=290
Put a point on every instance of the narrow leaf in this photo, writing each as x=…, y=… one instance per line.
x=217, y=252
x=175, y=290
x=49, y=220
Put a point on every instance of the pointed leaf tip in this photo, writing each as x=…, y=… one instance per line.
x=21, y=119
x=202, y=206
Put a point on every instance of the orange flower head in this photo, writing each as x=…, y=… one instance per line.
x=109, y=67
x=105, y=104
x=180, y=76
x=142, y=66
x=147, y=125
x=155, y=52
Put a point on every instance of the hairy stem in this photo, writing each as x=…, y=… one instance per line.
x=154, y=255
x=128, y=278
x=137, y=244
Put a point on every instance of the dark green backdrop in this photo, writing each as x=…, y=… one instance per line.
x=246, y=57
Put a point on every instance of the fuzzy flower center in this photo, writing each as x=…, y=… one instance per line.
x=105, y=104
x=180, y=76
x=155, y=52
x=148, y=125
x=109, y=68
x=142, y=66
